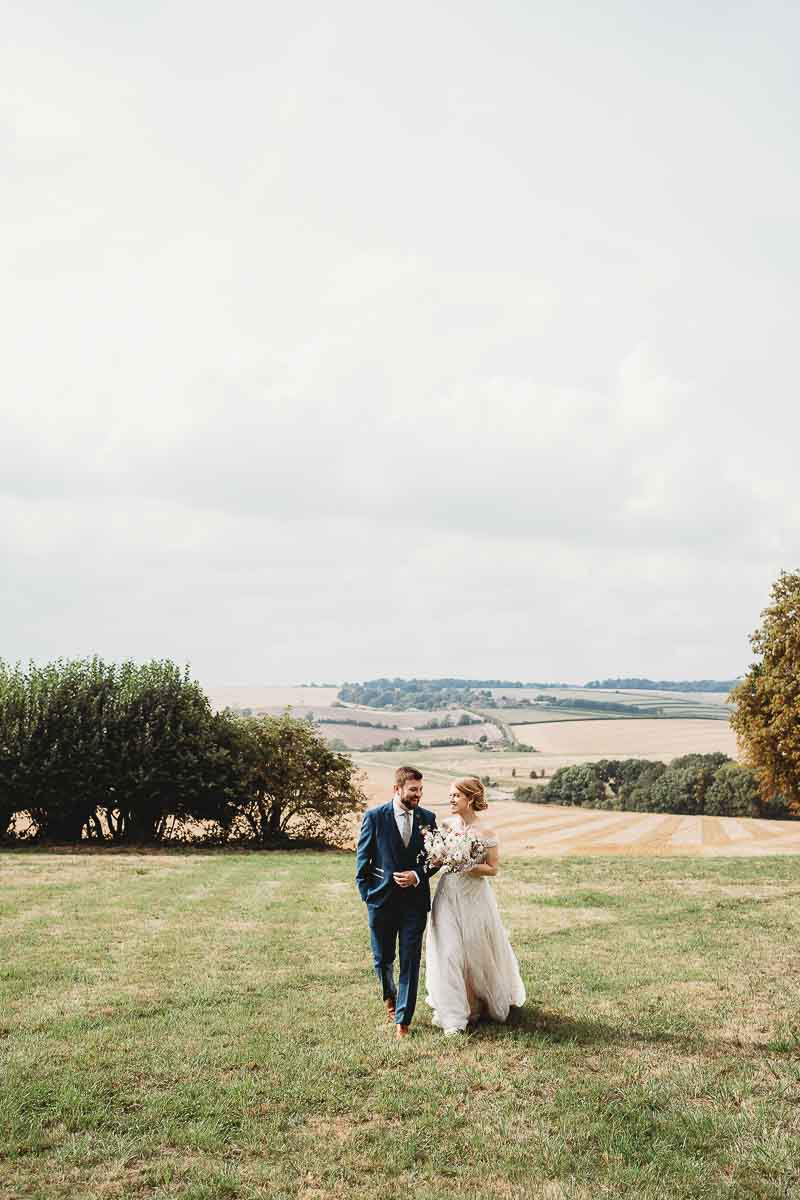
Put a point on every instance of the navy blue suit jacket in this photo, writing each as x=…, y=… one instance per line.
x=381, y=852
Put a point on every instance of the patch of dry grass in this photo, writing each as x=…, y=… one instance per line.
x=211, y=1029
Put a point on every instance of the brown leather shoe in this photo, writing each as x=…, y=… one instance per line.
x=401, y=1031
x=390, y=1008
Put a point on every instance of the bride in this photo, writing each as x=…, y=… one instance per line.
x=471, y=970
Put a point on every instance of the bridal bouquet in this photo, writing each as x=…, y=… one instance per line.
x=455, y=850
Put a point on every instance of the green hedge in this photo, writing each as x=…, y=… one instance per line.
x=128, y=752
x=694, y=784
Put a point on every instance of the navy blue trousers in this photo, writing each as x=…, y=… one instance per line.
x=393, y=924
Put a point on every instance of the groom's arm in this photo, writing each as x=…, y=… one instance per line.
x=364, y=853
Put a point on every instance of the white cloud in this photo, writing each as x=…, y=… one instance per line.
x=324, y=355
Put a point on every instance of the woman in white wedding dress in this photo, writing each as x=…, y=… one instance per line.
x=471, y=970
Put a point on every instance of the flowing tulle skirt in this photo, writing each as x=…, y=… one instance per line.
x=471, y=969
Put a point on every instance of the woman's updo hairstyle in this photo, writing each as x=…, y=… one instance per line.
x=472, y=788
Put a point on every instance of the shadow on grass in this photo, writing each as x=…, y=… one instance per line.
x=533, y=1024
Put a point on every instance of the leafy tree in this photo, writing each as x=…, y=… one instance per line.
x=294, y=786
x=636, y=779
x=12, y=736
x=679, y=790
x=734, y=793
x=767, y=714
x=714, y=760
x=57, y=763
x=580, y=785
x=175, y=760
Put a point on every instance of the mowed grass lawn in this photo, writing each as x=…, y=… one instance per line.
x=207, y=1025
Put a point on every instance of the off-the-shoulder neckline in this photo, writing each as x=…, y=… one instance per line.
x=484, y=830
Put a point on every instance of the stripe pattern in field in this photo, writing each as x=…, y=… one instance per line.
x=541, y=829
x=535, y=830
x=530, y=830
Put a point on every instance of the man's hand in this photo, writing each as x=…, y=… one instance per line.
x=406, y=879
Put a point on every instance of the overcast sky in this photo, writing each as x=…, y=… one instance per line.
x=352, y=339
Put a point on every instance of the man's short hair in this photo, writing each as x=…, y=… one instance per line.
x=403, y=774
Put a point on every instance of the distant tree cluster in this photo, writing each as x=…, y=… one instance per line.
x=402, y=694
x=392, y=744
x=133, y=754
x=429, y=694
x=613, y=706
x=448, y=721
x=693, y=785
x=664, y=685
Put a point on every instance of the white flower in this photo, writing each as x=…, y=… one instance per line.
x=455, y=850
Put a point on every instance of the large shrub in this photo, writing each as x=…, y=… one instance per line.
x=733, y=793
x=294, y=784
x=577, y=785
x=176, y=762
x=56, y=765
x=679, y=790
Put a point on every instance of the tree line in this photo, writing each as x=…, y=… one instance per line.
x=413, y=744
x=664, y=685
x=612, y=706
x=692, y=785
x=402, y=694
x=132, y=753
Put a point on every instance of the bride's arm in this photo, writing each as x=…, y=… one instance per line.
x=492, y=862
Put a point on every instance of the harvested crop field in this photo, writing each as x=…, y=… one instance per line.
x=543, y=830
x=641, y=738
x=256, y=696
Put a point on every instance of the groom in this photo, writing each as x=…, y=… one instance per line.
x=394, y=885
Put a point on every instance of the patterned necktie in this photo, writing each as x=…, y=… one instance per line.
x=406, y=834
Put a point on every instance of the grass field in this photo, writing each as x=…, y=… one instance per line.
x=207, y=1026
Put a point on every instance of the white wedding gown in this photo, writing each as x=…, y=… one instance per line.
x=470, y=967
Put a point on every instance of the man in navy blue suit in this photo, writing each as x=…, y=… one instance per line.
x=394, y=885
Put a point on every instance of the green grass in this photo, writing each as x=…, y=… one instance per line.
x=206, y=1025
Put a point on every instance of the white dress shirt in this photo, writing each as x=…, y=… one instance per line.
x=405, y=821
